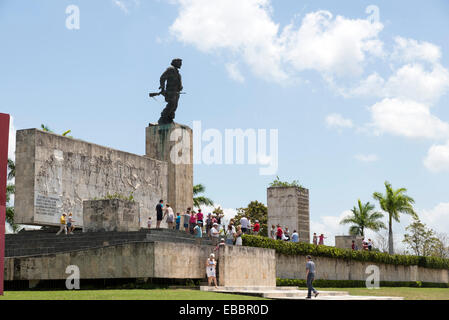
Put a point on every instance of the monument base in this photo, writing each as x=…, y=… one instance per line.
x=173, y=144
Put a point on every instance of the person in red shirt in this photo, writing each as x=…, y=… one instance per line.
x=322, y=237
x=256, y=228
x=279, y=233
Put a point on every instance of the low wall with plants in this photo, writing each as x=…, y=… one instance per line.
x=321, y=283
x=343, y=264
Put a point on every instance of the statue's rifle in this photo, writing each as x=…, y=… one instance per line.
x=162, y=93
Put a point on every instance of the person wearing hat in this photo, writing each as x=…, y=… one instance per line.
x=215, y=234
x=171, y=86
x=210, y=270
x=63, y=224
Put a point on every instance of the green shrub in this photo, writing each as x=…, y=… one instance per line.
x=303, y=249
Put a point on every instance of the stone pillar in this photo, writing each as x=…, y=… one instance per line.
x=289, y=206
x=173, y=143
x=345, y=242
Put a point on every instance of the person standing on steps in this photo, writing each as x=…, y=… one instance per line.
x=198, y=233
x=185, y=220
x=310, y=276
x=70, y=224
x=238, y=236
x=170, y=216
x=63, y=224
x=159, y=213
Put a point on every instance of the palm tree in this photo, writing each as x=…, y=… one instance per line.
x=394, y=202
x=12, y=169
x=200, y=200
x=364, y=217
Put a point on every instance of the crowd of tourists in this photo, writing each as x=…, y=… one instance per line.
x=201, y=226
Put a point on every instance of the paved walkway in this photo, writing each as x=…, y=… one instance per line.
x=292, y=293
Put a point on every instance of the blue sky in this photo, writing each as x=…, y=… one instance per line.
x=356, y=101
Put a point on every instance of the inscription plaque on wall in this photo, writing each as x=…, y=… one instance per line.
x=48, y=207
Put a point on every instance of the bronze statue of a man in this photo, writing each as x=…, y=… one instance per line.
x=171, y=87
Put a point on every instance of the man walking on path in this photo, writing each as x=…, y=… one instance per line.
x=310, y=276
x=63, y=224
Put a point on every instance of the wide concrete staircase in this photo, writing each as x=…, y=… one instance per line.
x=39, y=242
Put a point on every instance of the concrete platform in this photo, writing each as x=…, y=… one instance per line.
x=292, y=293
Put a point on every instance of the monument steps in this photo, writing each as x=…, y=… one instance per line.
x=45, y=242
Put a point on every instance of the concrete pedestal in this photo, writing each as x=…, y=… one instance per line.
x=289, y=206
x=173, y=143
x=345, y=242
x=110, y=215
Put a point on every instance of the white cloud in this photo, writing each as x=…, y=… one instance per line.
x=437, y=159
x=410, y=50
x=234, y=72
x=366, y=157
x=12, y=141
x=411, y=81
x=330, y=45
x=246, y=31
x=125, y=5
x=336, y=120
x=437, y=218
x=407, y=118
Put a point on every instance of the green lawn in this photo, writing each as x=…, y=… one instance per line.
x=407, y=293
x=162, y=294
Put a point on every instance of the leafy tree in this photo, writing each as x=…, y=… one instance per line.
x=363, y=217
x=278, y=183
x=441, y=247
x=420, y=239
x=218, y=212
x=198, y=201
x=394, y=202
x=255, y=211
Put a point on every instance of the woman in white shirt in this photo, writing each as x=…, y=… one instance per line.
x=210, y=270
x=238, y=236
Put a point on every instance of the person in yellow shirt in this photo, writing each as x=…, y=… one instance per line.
x=63, y=224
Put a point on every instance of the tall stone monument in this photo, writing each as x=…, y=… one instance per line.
x=55, y=174
x=289, y=206
x=173, y=144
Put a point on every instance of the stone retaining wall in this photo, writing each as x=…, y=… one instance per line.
x=293, y=267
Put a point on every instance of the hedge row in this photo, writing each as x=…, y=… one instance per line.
x=290, y=248
x=357, y=283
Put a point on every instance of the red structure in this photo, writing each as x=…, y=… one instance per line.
x=4, y=137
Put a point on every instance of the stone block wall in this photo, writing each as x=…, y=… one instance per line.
x=55, y=174
x=110, y=215
x=345, y=242
x=245, y=266
x=294, y=267
x=289, y=206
